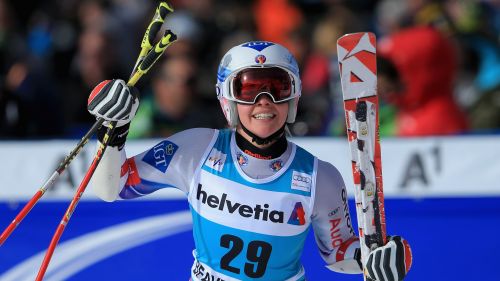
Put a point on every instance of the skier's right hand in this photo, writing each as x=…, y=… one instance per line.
x=113, y=100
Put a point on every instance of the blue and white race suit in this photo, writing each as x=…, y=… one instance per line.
x=250, y=216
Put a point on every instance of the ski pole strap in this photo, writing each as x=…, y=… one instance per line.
x=118, y=138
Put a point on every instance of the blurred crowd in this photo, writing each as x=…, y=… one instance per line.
x=439, y=62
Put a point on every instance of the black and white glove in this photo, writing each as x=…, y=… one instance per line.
x=390, y=262
x=113, y=100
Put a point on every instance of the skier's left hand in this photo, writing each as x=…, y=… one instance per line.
x=390, y=262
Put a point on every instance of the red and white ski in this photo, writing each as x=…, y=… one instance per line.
x=358, y=74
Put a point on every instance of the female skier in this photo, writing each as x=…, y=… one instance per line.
x=253, y=194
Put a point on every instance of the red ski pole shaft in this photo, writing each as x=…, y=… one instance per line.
x=74, y=203
x=20, y=216
x=60, y=169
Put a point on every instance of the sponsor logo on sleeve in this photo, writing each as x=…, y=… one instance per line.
x=335, y=232
x=216, y=160
x=160, y=155
x=333, y=212
x=301, y=181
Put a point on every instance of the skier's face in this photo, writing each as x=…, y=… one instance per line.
x=263, y=118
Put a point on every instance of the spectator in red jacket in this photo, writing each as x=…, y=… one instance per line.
x=425, y=63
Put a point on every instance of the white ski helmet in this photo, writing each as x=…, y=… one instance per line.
x=255, y=54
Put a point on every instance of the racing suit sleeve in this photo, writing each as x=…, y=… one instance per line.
x=170, y=163
x=331, y=222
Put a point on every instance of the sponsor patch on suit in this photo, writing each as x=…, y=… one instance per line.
x=160, y=155
x=216, y=160
x=301, y=181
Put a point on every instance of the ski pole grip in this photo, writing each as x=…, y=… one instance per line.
x=160, y=14
x=168, y=38
x=152, y=56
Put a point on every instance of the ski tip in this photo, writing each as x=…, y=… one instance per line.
x=352, y=43
x=356, y=35
x=349, y=40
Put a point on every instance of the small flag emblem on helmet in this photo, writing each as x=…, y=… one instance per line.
x=260, y=59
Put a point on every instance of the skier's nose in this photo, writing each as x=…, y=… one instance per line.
x=264, y=98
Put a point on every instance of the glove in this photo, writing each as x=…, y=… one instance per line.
x=390, y=262
x=113, y=100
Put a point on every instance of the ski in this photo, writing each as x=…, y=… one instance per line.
x=358, y=75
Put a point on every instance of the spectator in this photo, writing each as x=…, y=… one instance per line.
x=173, y=104
x=11, y=50
x=321, y=87
x=478, y=39
x=59, y=49
x=426, y=63
x=277, y=21
x=92, y=63
x=27, y=82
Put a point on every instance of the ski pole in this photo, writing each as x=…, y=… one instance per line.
x=74, y=202
x=160, y=14
x=143, y=68
x=149, y=36
x=50, y=181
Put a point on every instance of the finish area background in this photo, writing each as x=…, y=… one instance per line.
x=450, y=222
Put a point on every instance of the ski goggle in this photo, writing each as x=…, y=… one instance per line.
x=248, y=84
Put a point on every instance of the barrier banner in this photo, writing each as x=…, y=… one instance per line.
x=420, y=167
